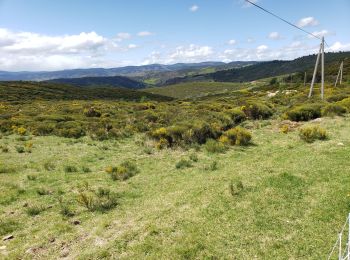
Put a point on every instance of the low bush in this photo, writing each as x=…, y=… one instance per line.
x=20, y=149
x=182, y=164
x=236, y=187
x=311, y=133
x=345, y=103
x=257, y=110
x=212, y=166
x=194, y=157
x=34, y=210
x=336, y=98
x=334, y=110
x=7, y=226
x=70, y=169
x=91, y=112
x=304, y=112
x=236, y=136
x=7, y=169
x=101, y=200
x=213, y=146
x=49, y=166
x=32, y=177
x=43, y=191
x=123, y=172
x=237, y=115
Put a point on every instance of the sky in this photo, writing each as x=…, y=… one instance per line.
x=46, y=35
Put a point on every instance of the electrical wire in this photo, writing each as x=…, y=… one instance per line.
x=284, y=20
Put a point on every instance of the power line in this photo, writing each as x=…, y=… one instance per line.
x=280, y=18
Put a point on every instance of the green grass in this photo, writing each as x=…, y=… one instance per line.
x=280, y=198
x=196, y=89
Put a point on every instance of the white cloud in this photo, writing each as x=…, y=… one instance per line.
x=191, y=53
x=123, y=36
x=274, y=36
x=194, y=8
x=132, y=46
x=338, y=46
x=232, y=42
x=145, y=33
x=307, y=21
x=32, y=51
x=250, y=40
x=322, y=33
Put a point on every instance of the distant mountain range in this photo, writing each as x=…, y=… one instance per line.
x=100, y=72
x=266, y=69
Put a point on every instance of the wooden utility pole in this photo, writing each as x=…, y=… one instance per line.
x=340, y=73
x=305, y=79
x=320, y=53
x=322, y=76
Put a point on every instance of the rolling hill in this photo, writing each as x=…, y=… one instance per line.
x=266, y=69
x=27, y=91
x=116, y=81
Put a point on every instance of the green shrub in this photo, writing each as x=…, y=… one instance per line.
x=7, y=169
x=311, y=133
x=32, y=177
x=236, y=136
x=333, y=109
x=213, y=146
x=7, y=226
x=20, y=149
x=35, y=210
x=66, y=211
x=237, y=115
x=86, y=169
x=212, y=166
x=42, y=191
x=236, y=187
x=101, y=200
x=337, y=98
x=194, y=157
x=49, y=166
x=256, y=110
x=182, y=164
x=4, y=149
x=124, y=171
x=91, y=112
x=304, y=112
x=70, y=169
x=345, y=102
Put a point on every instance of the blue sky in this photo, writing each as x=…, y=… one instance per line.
x=65, y=34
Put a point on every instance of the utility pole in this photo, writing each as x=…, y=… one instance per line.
x=305, y=79
x=340, y=73
x=320, y=53
x=322, y=77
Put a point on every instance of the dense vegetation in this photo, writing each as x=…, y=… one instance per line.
x=116, y=81
x=244, y=171
x=27, y=91
x=272, y=69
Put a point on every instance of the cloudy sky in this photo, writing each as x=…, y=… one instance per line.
x=66, y=34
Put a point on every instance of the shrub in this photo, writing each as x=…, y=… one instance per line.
x=85, y=199
x=35, y=210
x=236, y=136
x=21, y=130
x=304, y=112
x=70, y=169
x=49, y=166
x=213, y=146
x=7, y=226
x=345, y=102
x=311, y=133
x=91, y=112
x=86, y=169
x=257, y=110
x=66, y=211
x=102, y=200
x=194, y=157
x=236, y=187
x=212, y=167
x=4, y=149
x=7, y=169
x=333, y=109
x=237, y=115
x=20, y=149
x=182, y=164
x=124, y=171
x=337, y=98
x=43, y=191
x=32, y=177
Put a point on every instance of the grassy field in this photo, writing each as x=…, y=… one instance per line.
x=196, y=89
x=292, y=201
